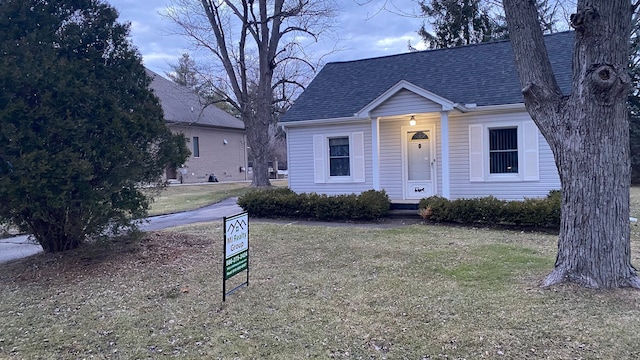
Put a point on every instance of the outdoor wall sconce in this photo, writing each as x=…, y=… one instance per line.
x=412, y=121
x=224, y=141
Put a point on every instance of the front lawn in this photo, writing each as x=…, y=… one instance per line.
x=177, y=198
x=411, y=292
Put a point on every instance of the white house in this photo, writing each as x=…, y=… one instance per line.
x=448, y=122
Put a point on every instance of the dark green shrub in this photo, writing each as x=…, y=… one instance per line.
x=285, y=203
x=373, y=204
x=337, y=207
x=269, y=203
x=491, y=211
x=488, y=210
x=439, y=206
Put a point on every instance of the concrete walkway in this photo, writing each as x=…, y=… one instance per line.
x=20, y=246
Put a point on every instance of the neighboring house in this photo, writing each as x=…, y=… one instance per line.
x=216, y=139
x=448, y=122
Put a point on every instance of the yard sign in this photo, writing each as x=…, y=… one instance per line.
x=236, y=250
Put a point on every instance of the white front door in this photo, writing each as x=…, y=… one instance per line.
x=419, y=169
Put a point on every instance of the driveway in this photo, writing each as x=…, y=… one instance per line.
x=20, y=246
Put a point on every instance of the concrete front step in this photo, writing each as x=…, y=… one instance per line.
x=403, y=214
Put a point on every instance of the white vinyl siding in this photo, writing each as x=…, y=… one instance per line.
x=405, y=102
x=302, y=157
x=311, y=143
x=391, y=158
x=525, y=146
x=469, y=171
x=391, y=177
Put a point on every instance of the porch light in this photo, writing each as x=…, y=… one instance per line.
x=412, y=121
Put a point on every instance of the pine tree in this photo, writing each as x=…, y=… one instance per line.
x=459, y=22
x=464, y=22
x=184, y=73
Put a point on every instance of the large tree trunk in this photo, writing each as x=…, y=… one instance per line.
x=588, y=132
x=257, y=130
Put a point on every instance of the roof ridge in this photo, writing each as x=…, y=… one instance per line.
x=466, y=46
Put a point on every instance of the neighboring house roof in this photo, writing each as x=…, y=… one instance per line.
x=482, y=74
x=182, y=106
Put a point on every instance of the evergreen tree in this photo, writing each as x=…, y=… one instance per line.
x=459, y=22
x=464, y=22
x=186, y=73
x=80, y=129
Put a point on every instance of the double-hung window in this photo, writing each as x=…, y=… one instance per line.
x=339, y=156
x=503, y=151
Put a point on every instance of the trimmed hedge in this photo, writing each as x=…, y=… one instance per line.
x=284, y=203
x=491, y=211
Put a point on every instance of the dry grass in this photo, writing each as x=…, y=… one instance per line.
x=414, y=292
x=177, y=198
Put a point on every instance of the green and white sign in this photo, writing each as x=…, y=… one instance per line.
x=236, y=249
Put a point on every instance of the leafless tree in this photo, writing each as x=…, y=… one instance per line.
x=260, y=49
x=588, y=132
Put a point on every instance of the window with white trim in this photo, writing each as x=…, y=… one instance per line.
x=503, y=152
x=338, y=157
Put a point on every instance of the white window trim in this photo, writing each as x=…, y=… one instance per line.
x=528, y=152
x=503, y=176
x=338, y=178
x=356, y=158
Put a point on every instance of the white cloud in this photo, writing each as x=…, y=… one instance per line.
x=363, y=31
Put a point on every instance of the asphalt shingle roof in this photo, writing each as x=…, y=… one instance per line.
x=482, y=74
x=184, y=107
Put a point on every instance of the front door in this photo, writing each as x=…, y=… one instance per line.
x=419, y=164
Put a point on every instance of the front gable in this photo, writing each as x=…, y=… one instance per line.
x=405, y=98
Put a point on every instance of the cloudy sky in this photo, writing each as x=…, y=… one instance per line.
x=375, y=28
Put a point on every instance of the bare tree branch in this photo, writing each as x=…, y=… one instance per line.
x=256, y=43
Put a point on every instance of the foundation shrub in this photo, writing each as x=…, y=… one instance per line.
x=284, y=203
x=373, y=204
x=269, y=203
x=491, y=211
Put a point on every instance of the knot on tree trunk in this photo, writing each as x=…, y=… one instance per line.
x=540, y=98
x=608, y=82
x=582, y=17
